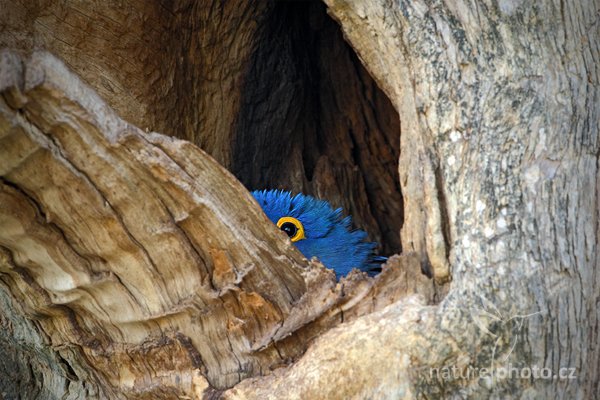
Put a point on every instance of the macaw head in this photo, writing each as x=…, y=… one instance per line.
x=319, y=231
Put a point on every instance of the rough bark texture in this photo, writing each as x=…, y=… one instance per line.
x=114, y=235
x=134, y=266
x=499, y=171
x=134, y=262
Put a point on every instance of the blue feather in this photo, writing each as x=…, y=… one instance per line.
x=328, y=235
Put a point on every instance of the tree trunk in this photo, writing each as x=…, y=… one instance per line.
x=132, y=265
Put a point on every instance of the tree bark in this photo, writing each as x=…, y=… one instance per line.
x=499, y=172
x=136, y=263
x=132, y=265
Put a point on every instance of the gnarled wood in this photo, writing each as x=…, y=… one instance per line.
x=116, y=238
x=134, y=261
x=499, y=176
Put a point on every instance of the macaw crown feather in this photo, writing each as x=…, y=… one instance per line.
x=326, y=233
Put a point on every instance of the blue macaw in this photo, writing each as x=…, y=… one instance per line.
x=319, y=231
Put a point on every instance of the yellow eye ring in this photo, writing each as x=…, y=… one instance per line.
x=292, y=227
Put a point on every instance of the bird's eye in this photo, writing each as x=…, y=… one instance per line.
x=292, y=227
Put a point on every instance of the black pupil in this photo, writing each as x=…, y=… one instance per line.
x=289, y=228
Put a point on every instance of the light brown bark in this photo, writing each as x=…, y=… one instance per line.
x=135, y=266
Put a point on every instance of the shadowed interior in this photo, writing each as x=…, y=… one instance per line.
x=312, y=119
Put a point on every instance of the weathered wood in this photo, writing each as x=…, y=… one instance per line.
x=135, y=262
x=499, y=175
x=124, y=237
x=130, y=246
x=499, y=171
